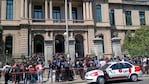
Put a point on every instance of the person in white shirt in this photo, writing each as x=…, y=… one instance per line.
x=6, y=70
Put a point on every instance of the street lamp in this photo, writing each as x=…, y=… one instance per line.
x=66, y=33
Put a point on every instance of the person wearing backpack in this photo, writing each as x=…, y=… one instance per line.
x=6, y=70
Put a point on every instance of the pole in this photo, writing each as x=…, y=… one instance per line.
x=29, y=31
x=67, y=35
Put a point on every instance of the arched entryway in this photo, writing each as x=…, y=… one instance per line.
x=79, y=46
x=38, y=44
x=59, y=44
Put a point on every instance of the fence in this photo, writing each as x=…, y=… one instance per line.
x=57, y=74
x=27, y=76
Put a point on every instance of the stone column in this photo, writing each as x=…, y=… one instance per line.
x=50, y=7
x=70, y=10
x=22, y=8
x=147, y=17
x=48, y=52
x=116, y=46
x=26, y=8
x=30, y=9
x=98, y=47
x=90, y=12
x=72, y=49
x=46, y=9
x=87, y=10
x=48, y=48
x=84, y=10
x=3, y=6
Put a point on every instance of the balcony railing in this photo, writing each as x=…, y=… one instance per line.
x=59, y=20
x=38, y=20
x=78, y=21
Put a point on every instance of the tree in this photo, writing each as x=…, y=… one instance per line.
x=2, y=58
x=138, y=44
x=1, y=41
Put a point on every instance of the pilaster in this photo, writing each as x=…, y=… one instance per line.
x=46, y=9
x=91, y=12
x=30, y=9
x=116, y=46
x=98, y=47
x=26, y=8
x=50, y=7
x=87, y=10
x=70, y=10
x=22, y=9
x=84, y=10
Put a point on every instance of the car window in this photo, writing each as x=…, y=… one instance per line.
x=116, y=66
x=126, y=65
x=104, y=67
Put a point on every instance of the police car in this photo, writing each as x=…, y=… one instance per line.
x=114, y=71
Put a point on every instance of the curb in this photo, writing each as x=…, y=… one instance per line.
x=70, y=82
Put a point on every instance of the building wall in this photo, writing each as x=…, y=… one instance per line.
x=86, y=25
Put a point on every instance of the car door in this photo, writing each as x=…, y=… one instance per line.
x=126, y=69
x=115, y=70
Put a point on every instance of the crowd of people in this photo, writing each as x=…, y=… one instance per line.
x=61, y=68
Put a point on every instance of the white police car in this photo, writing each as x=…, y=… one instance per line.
x=114, y=71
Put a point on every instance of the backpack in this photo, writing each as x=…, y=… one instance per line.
x=7, y=70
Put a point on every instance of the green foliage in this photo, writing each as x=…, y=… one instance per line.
x=138, y=44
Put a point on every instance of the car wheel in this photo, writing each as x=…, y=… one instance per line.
x=100, y=80
x=134, y=77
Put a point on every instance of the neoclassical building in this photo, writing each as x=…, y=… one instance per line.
x=95, y=26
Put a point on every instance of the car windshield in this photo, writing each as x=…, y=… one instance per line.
x=104, y=67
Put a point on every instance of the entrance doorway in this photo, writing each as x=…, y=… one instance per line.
x=38, y=44
x=8, y=45
x=59, y=44
x=79, y=46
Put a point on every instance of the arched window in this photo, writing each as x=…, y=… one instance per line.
x=79, y=46
x=59, y=44
x=8, y=45
x=38, y=44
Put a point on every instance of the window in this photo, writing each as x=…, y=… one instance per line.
x=112, y=20
x=9, y=9
x=104, y=67
x=116, y=66
x=38, y=13
x=126, y=65
x=128, y=17
x=98, y=13
x=8, y=45
x=142, y=18
x=56, y=14
x=74, y=14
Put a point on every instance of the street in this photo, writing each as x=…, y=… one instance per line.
x=142, y=80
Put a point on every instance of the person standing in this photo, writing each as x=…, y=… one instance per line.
x=49, y=69
x=39, y=70
x=6, y=70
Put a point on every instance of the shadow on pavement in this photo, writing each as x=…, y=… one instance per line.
x=118, y=82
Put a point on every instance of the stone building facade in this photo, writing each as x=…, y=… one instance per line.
x=38, y=26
